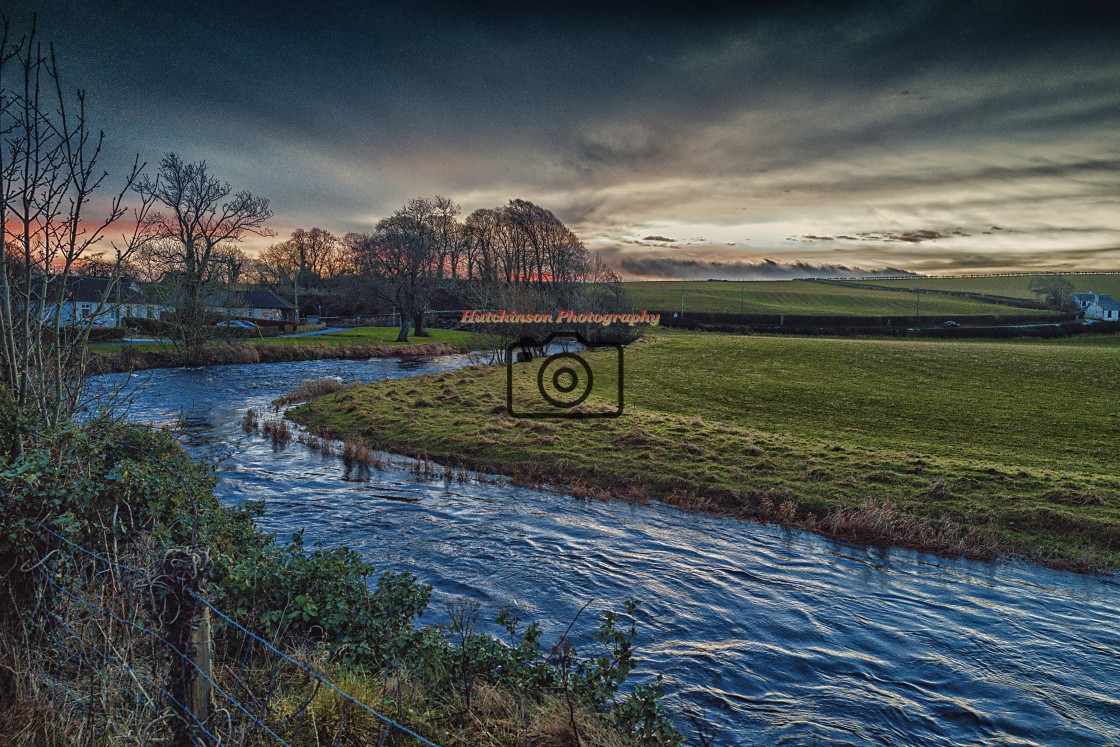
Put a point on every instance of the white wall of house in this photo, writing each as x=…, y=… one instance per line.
x=109, y=315
x=1096, y=311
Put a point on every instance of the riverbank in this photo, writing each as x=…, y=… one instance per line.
x=980, y=450
x=359, y=343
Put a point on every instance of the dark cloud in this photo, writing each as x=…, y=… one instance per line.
x=663, y=239
x=766, y=269
x=910, y=237
x=869, y=122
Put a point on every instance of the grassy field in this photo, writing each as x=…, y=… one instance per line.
x=979, y=449
x=1012, y=287
x=799, y=297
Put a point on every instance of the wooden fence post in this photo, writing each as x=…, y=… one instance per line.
x=202, y=654
x=186, y=625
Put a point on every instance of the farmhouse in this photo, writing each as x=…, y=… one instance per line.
x=1098, y=306
x=257, y=305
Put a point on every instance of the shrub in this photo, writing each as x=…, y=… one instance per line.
x=309, y=390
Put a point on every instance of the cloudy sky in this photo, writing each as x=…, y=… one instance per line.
x=931, y=137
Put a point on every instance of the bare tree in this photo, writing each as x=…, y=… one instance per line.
x=49, y=175
x=197, y=214
x=399, y=263
x=480, y=237
x=448, y=235
x=1055, y=290
x=302, y=261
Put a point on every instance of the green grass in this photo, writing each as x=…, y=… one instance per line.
x=975, y=448
x=1012, y=287
x=799, y=297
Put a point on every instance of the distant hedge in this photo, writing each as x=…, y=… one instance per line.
x=804, y=320
x=106, y=334
x=991, y=327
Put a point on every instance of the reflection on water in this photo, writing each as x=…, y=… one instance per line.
x=770, y=636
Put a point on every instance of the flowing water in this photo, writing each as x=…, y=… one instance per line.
x=768, y=636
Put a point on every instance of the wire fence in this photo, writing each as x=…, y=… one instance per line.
x=132, y=643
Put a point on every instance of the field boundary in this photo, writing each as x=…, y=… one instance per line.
x=996, y=326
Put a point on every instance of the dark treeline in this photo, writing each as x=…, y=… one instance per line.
x=424, y=257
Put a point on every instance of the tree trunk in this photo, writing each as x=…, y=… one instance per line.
x=403, y=336
x=418, y=325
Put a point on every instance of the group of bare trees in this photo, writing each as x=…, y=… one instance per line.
x=516, y=256
x=49, y=229
x=521, y=243
x=301, y=266
x=56, y=224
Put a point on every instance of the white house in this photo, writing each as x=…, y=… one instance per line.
x=1098, y=306
x=100, y=302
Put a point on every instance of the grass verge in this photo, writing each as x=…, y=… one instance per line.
x=980, y=450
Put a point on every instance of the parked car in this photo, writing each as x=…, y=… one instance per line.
x=237, y=324
x=950, y=325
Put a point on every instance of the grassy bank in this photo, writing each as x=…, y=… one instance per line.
x=978, y=449
x=800, y=297
x=354, y=344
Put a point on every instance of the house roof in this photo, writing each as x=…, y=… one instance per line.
x=253, y=300
x=1105, y=302
x=94, y=290
x=1087, y=297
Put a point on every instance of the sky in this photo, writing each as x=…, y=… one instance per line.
x=780, y=139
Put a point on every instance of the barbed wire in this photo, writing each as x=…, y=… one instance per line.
x=313, y=673
x=175, y=650
x=137, y=676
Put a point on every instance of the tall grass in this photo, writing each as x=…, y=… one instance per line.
x=309, y=390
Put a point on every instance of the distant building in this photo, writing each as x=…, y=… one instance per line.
x=1098, y=306
x=256, y=305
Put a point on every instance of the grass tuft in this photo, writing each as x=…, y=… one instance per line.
x=309, y=390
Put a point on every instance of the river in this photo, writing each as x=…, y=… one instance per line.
x=768, y=636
